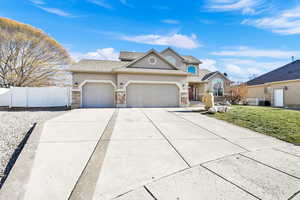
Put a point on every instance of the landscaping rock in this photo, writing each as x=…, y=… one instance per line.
x=212, y=110
x=221, y=109
x=13, y=127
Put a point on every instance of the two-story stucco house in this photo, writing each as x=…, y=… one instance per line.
x=151, y=79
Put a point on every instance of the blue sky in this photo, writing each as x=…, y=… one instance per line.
x=240, y=37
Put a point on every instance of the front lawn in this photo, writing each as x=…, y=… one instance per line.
x=280, y=123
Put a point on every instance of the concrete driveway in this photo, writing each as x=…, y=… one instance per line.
x=165, y=154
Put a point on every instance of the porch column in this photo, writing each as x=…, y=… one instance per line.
x=184, y=99
x=120, y=98
x=76, y=98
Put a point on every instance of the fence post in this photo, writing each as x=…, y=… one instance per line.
x=11, y=97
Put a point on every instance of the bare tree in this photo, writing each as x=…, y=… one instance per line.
x=238, y=93
x=29, y=57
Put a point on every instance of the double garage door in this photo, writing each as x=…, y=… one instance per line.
x=152, y=95
x=100, y=95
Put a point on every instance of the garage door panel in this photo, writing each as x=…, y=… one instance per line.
x=152, y=95
x=98, y=95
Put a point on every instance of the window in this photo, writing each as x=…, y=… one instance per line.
x=218, y=87
x=171, y=59
x=152, y=60
x=192, y=70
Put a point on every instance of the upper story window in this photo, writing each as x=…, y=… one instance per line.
x=218, y=87
x=192, y=69
x=152, y=60
x=171, y=59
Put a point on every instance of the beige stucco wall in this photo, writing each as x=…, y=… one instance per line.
x=256, y=92
x=291, y=95
x=79, y=77
x=124, y=78
x=144, y=63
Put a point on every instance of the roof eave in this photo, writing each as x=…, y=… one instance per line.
x=151, y=71
x=90, y=71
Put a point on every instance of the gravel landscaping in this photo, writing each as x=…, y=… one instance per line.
x=13, y=127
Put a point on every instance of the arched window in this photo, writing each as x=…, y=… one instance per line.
x=192, y=69
x=218, y=87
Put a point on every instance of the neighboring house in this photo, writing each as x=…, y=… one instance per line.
x=151, y=79
x=281, y=87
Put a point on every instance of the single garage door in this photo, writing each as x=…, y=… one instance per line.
x=97, y=95
x=152, y=95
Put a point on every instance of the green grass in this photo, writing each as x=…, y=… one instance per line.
x=280, y=123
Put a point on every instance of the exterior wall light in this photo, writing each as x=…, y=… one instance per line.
x=285, y=87
x=76, y=84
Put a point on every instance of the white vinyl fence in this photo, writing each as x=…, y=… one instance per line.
x=36, y=97
x=4, y=96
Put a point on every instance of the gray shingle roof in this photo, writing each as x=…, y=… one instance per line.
x=208, y=75
x=191, y=60
x=90, y=65
x=129, y=56
x=290, y=71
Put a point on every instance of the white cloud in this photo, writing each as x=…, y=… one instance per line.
x=244, y=69
x=250, y=52
x=287, y=22
x=99, y=54
x=242, y=73
x=175, y=40
x=37, y=2
x=42, y=5
x=234, y=69
x=56, y=11
x=125, y=2
x=253, y=63
x=209, y=64
x=245, y=6
x=170, y=21
x=101, y=3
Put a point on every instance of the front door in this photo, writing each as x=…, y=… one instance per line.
x=191, y=92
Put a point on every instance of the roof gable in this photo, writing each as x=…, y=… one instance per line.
x=210, y=75
x=130, y=56
x=290, y=71
x=169, y=51
x=143, y=62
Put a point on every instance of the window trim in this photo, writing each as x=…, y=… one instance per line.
x=217, y=92
x=196, y=70
x=154, y=60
